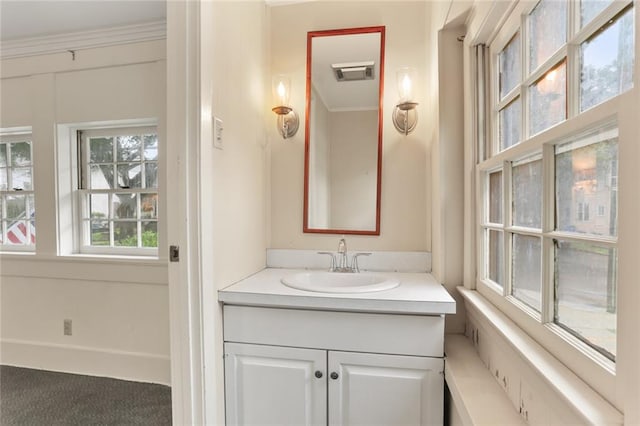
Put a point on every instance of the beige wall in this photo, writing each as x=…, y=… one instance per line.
x=354, y=164
x=234, y=83
x=406, y=211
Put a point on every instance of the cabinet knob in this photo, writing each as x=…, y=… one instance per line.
x=319, y=374
x=334, y=375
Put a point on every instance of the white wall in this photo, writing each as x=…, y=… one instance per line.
x=405, y=211
x=119, y=308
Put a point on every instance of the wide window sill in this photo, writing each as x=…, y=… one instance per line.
x=87, y=268
x=82, y=257
x=573, y=390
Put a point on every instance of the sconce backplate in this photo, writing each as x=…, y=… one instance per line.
x=288, y=124
x=405, y=120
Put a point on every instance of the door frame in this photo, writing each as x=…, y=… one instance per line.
x=183, y=215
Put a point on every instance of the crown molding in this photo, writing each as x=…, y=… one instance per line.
x=83, y=40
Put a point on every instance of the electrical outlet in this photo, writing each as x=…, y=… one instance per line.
x=68, y=330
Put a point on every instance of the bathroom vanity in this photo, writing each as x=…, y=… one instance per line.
x=299, y=357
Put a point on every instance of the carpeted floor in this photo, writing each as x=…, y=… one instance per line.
x=36, y=397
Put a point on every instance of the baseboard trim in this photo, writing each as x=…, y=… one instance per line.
x=134, y=366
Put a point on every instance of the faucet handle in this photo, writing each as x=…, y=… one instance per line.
x=354, y=261
x=333, y=260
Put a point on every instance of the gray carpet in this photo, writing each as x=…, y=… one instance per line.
x=36, y=397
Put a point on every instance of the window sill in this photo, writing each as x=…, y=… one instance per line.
x=574, y=392
x=476, y=395
x=87, y=268
x=82, y=257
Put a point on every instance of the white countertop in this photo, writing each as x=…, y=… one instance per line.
x=418, y=293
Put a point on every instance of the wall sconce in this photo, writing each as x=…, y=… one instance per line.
x=287, y=122
x=405, y=116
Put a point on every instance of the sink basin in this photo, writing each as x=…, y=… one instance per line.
x=338, y=282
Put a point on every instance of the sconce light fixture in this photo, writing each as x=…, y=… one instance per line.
x=405, y=116
x=287, y=118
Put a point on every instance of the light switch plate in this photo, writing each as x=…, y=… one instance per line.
x=217, y=133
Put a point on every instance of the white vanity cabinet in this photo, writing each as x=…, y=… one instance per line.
x=313, y=367
x=272, y=385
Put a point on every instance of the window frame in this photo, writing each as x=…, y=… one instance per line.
x=81, y=192
x=592, y=366
x=7, y=137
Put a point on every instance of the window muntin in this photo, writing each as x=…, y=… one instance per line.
x=570, y=221
x=17, y=200
x=119, y=190
x=493, y=223
x=606, y=61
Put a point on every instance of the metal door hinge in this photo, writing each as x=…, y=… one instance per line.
x=174, y=253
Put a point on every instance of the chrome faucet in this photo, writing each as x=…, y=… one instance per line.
x=343, y=260
x=341, y=264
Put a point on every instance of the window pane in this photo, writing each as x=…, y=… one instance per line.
x=527, y=194
x=150, y=147
x=18, y=233
x=3, y=178
x=100, y=233
x=149, y=206
x=21, y=178
x=510, y=120
x=607, y=62
x=510, y=66
x=590, y=8
x=3, y=155
x=16, y=206
x=586, y=293
x=129, y=148
x=527, y=277
x=548, y=100
x=125, y=234
x=151, y=175
x=547, y=31
x=149, y=234
x=495, y=197
x=101, y=176
x=496, y=257
x=21, y=154
x=101, y=150
x=586, y=184
x=125, y=206
x=130, y=175
x=99, y=206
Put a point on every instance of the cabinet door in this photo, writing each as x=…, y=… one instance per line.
x=372, y=389
x=270, y=385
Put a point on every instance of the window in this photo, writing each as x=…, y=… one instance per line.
x=118, y=190
x=548, y=220
x=17, y=203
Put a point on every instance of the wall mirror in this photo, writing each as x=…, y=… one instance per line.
x=343, y=141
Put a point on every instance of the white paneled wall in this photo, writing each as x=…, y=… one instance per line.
x=118, y=307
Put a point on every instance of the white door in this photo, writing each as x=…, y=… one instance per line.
x=372, y=389
x=273, y=385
